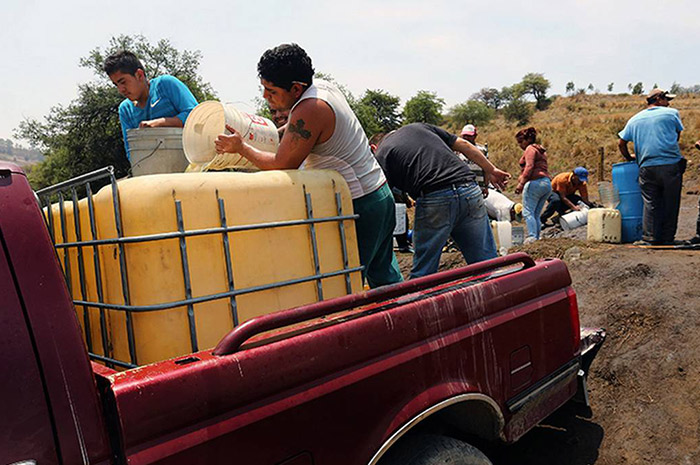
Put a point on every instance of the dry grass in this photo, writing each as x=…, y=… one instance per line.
x=573, y=129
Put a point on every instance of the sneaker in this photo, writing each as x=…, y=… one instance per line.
x=695, y=240
x=407, y=249
x=529, y=240
x=642, y=242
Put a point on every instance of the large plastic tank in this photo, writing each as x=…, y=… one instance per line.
x=156, y=150
x=626, y=180
x=155, y=268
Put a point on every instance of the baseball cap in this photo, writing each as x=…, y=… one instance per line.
x=655, y=93
x=468, y=130
x=581, y=173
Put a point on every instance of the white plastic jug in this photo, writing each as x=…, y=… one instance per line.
x=604, y=225
x=503, y=234
x=401, y=225
x=209, y=119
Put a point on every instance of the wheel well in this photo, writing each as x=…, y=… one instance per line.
x=470, y=417
x=473, y=415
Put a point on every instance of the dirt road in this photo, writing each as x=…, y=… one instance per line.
x=645, y=381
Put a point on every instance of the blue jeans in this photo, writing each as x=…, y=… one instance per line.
x=535, y=195
x=458, y=212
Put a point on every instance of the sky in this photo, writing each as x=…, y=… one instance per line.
x=452, y=48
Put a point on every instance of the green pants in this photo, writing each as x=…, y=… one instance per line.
x=375, y=229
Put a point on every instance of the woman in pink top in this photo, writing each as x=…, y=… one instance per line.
x=534, y=181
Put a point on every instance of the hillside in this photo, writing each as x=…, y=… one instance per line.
x=573, y=129
x=18, y=154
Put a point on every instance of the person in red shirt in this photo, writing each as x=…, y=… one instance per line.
x=534, y=182
x=564, y=188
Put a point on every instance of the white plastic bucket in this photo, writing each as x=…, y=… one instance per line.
x=574, y=219
x=209, y=119
x=156, y=151
x=503, y=234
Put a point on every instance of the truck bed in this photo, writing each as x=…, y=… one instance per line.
x=507, y=339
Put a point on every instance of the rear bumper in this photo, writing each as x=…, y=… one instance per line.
x=591, y=341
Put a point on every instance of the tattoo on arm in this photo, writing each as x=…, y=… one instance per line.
x=298, y=129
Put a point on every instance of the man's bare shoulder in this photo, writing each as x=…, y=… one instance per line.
x=312, y=115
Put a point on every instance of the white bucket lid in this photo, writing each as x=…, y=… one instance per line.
x=204, y=124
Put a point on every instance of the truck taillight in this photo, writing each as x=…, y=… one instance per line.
x=575, y=323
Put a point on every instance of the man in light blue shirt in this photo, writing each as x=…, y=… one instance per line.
x=655, y=132
x=163, y=101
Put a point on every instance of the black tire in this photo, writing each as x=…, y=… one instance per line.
x=434, y=450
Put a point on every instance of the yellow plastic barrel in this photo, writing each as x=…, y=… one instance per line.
x=154, y=268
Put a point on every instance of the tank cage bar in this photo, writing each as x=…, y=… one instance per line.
x=73, y=187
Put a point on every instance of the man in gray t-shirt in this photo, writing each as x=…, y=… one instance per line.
x=418, y=159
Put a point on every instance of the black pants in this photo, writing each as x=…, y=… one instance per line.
x=661, y=195
x=557, y=205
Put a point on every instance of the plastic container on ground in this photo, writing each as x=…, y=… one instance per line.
x=518, y=235
x=155, y=268
x=574, y=219
x=626, y=181
x=604, y=225
x=209, y=119
x=156, y=151
x=503, y=234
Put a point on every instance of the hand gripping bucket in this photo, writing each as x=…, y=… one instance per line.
x=209, y=119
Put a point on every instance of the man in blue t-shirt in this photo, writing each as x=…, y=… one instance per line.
x=163, y=101
x=655, y=132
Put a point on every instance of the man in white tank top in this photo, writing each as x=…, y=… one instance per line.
x=323, y=133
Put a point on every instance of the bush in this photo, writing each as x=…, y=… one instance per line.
x=471, y=111
x=518, y=110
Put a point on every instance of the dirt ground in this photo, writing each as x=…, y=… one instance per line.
x=645, y=382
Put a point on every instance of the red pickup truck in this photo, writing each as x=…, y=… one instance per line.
x=396, y=375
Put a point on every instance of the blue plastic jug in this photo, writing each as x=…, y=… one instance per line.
x=626, y=181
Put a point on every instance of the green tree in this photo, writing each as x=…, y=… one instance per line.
x=471, y=111
x=638, y=89
x=675, y=88
x=364, y=113
x=424, y=107
x=86, y=134
x=590, y=87
x=536, y=85
x=570, y=86
x=610, y=86
x=383, y=108
x=518, y=110
x=492, y=98
x=159, y=58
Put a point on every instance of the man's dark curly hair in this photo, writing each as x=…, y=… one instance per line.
x=122, y=61
x=286, y=64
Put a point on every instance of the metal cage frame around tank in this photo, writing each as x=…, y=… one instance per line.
x=72, y=187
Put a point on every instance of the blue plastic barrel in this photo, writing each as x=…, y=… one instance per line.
x=626, y=181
